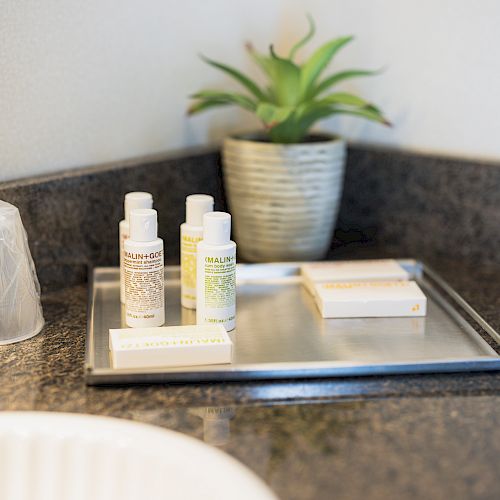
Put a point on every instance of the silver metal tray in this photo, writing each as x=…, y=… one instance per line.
x=280, y=333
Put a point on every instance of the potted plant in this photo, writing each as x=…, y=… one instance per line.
x=284, y=183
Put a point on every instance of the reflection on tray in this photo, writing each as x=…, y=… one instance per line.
x=391, y=338
x=378, y=326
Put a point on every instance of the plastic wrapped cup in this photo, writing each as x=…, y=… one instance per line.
x=21, y=314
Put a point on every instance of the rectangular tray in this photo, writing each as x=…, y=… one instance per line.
x=280, y=333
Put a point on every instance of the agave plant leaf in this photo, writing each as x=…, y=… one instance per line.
x=238, y=76
x=372, y=107
x=262, y=61
x=271, y=94
x=286, y=132
x=199, y=106
x=346, y=99
x=296, y=127
x=285, y=76
x=314, y=66
x=227, y=97
x=273, y=115
x=278, y=69
x=339, y=77
x=311, y=113
x=295, y=96
x=303, y=41
x=369, y=114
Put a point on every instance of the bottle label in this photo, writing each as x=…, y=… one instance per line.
x=220, y=282
x=144, y=287
x=123, y=236
x=188, y=265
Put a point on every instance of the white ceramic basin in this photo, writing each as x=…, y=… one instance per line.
x=58, y=456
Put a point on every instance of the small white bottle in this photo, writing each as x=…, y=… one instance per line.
x=136, y=199
x=216, y=273
x=197, y=205
x=143, y=265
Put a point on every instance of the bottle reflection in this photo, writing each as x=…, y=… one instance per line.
x=123, y=323
x=216, y=423
x=188, y=316
x=364, y=340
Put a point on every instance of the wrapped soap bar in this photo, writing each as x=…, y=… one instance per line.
x=352, y=270
x=169, y=346
x=373, y=299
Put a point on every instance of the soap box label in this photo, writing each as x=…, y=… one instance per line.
x=370, y=299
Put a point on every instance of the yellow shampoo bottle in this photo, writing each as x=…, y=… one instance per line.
x=197, y=205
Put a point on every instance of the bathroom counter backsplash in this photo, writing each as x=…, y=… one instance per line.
x=406, y=204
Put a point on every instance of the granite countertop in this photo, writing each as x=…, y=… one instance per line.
x=399, y=437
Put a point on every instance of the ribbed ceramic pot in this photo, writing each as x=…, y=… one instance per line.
x=284, y=198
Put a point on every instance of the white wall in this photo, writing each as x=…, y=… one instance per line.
x=95, y=81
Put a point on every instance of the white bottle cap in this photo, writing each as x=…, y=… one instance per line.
x=217, y=228
x=198, y=205
x=137, y=199
x=143, y=224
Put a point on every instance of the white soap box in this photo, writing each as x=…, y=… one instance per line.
x=373, y=299
x=169, y=346
x=352, y=270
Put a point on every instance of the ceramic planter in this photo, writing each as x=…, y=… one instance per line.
x=284, y=198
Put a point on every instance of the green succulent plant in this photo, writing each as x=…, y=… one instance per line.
x=296, y=96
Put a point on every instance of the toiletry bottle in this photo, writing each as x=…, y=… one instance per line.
x=216, y=272
x=191, y=233
x=143, y=265
x=136, y=199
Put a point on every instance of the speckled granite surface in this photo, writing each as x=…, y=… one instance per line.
x=72, y=218
x=421, y=205
x=401, y=437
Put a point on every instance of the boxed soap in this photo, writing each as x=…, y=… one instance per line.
x=374, y=299
x=169, y=346
x=352, y=270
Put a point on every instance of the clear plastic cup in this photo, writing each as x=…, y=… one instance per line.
x=21, y=315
